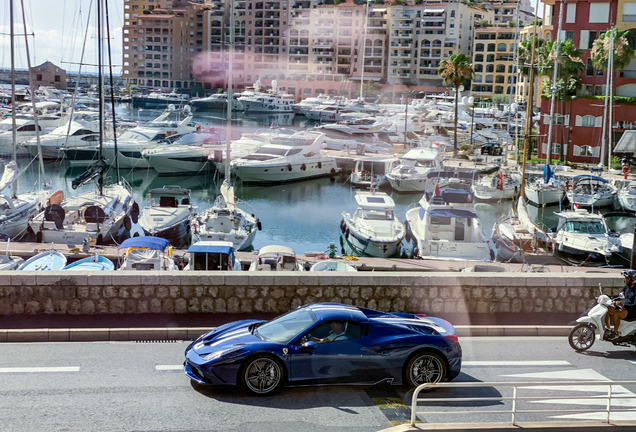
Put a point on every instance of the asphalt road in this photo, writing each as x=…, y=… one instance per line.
x=140, y=387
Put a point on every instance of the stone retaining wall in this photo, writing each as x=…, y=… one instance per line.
x=129, y=292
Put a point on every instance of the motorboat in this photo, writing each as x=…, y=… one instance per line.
x=215, y=102
x=541, y=194
x=627, y=196
x=168, y=213
x=71, y=135
x=286, y=162
x=25, y=130
x=311, y=102
x=516, y=238
x=274, y=101
x=446, y=227
x=582, y=238
x=100, y=215
x=159, y=100
x=213, y=255
x=48, y=260
x=497, y=187
x=226, y=221
x=190, y=154
x=16, y=210
x=333, y=265
x=96, y=262
x=591, y=191
x=276, y=258
x=336, y=113
x=411, y=175
x=374, y=229
x=354, y=126
x=147, y=253
x=8, y=261
x=372, y=172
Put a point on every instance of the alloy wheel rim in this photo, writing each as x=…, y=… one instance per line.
x=262, y=375
x=582, y=337
x=426, y=369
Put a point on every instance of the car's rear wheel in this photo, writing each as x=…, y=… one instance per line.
x=425, y=367
x=262, y=375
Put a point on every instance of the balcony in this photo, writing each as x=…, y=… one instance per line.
x=399, y=75
x=402, y=25
x=399, y=16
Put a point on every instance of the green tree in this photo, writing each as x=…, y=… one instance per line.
x=623, y=52
x=484, y=23
x=455, y=71
x=524, y=55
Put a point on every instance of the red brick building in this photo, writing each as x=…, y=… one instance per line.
x=580, y=126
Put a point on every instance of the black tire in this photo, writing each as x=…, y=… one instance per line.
x=582, y=337
x=347, y=233
x=262, y=375
x=343, y=226
x=425, y=367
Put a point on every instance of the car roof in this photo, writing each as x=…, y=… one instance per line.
x=335, y=311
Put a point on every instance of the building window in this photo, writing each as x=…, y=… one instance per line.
x=570, y=16
x=586, y=150
x=38, y=77
x=502, y=47
x=491, y=47
x=589, y=68
x=599, y=90
x=590, y=42
x=629, y=12
x=599, y=13
x=569, y=34
x=588, y=120
x=452, y=14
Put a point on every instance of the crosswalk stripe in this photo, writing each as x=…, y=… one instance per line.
x=39, y=369
x=517, y=363
x=168, y=367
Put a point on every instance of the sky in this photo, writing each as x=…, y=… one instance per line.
x=59, y=27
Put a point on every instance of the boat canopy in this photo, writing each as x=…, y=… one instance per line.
x=456, y=213
x=589, y=177
x=212, y=247
x=378, y=200
x=147, y=242
x=275, y=249
x=169, y=191
x=459, y=196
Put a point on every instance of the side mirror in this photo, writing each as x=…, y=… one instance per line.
x=308, y=346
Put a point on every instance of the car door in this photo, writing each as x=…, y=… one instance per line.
x=338, y=361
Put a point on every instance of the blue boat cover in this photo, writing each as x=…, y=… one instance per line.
x=227, y=250
x=547, y=173
x=147, y=242
x=591, y=177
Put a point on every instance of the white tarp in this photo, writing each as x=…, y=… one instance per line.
x=9, y=175
x=627, y=143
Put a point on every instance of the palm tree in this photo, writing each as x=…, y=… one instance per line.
x=623, y=53
x=456, y=70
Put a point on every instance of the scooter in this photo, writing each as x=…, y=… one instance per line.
x=591, y=326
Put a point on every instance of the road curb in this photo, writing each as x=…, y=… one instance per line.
x=190, y=333
x=548, y=426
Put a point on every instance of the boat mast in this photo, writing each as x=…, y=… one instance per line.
x=610, y=110
x=100, y=87
x=364, y=50
x=555, y=74
x=605, y=103
x=228, y=129
x=14, y=134
x=530, y=103
x=35, y=114
x=112, y=95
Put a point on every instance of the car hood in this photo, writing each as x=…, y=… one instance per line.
x=228, y=336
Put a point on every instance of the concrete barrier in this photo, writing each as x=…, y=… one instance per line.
x=129, y=292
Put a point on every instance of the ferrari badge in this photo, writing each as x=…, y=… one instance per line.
x=284, y=350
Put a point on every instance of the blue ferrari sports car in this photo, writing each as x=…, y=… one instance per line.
x=326, y=343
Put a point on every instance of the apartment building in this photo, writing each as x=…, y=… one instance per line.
x=161, y=39
x=493, y=55
x=506, y=11
x=579, y=126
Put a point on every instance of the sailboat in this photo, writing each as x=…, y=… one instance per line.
x=225, y=221
x=16, y=209
x=101, y=214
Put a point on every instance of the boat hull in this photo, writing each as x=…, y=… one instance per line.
x=584, y=200
x=283, y=173
x=541, y=197
x=193, y=161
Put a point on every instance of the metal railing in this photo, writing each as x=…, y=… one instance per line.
x=513, y=411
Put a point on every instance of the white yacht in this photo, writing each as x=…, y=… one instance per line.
x=591, y=191
x=446, y=227
x=582, y=238
x=99, y=216
x=311, y=102
x=412, y=173
x=213, y=255
x=159, y=100
x=275, y=101
x=372, y=172
x=497, y=187
x=25, y=130
x=286, y=162
x=168, y=213
x=276, y=258
x=147, y=253
x=627, y=196
x=190, y=154
x=374, y=229
x=215, y=102
x=336, y=113
x=71, y=135
x=225, y=221
x=354, y=126
x=16, y=210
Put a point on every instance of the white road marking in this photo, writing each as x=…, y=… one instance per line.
x=632, y=361
x=39, y=369
x=168, y=367
x=517, y=363
x=576, y=374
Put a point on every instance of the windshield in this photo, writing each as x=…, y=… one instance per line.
x=286, y=327
x=378, y=214
x=584, y=227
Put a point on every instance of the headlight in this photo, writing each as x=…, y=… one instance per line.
x=218, y=354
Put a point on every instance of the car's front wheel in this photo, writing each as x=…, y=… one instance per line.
x=425, y=367
x=262, y=375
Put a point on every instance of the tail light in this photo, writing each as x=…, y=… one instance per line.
x=421, y=315
x=454, y=338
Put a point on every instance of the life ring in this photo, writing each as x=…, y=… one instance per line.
x=289, y=167
x=569, y=187
x=303, y=167
x=343, y=226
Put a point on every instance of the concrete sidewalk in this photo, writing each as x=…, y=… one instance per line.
x=189, y=333
x=554, y=426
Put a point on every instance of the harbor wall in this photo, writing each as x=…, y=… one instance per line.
x=130, y=292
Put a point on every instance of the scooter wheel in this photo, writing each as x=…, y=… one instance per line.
x=582, y=337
